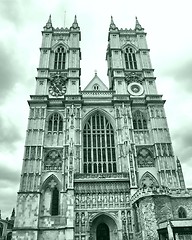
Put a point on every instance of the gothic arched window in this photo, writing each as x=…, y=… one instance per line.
x=9, y=236
x=55, y=123
x=98, y=146
x=1, y=229
x=182, y=213
x=50, y=194
x=139, y=120
x=130, y=58
x=59, y=60
x=55, y=202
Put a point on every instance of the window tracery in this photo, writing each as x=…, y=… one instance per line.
x=145, y=158
x=130, y=58
x=139, y=120
x=59, y=59
x=55, y=123
x=98, y=146
x=53, y=161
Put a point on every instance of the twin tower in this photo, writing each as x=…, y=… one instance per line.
x=98, y=163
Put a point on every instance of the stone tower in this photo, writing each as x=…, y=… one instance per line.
x=96, y=160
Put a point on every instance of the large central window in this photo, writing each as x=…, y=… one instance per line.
x=98, y=145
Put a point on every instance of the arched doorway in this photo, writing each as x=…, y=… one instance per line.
x=103, y=227
x=102, y=232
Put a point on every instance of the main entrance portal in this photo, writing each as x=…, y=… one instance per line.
x=102, y=232
x=103, y=227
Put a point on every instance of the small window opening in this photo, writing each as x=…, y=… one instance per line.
x=96, y=87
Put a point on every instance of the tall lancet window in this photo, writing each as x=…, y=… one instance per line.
x=139, y=120
x=98, y=146
x=130, y=58
x=60, y=56
x=55, y=202
x=55, y=123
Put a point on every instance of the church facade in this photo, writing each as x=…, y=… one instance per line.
x=98, y=163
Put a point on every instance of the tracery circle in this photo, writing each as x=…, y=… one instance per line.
x=135, y=89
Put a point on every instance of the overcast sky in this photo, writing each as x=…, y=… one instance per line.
x=169, y=36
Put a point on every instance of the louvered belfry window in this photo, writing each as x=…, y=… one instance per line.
x=130, y=58
x=59, y=61
x=98, y=145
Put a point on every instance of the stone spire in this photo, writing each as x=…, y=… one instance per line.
x=138, y=25
x=49, y=23
x=13, y=214
x=180, y=174
x=112, y=25
x=75, y=24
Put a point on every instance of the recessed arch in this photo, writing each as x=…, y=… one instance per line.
x=52, y=178
x=126, y=45
x=148, y=180
x=56, y=45
x=182, y=212
x=50, y=196
x=109, y=222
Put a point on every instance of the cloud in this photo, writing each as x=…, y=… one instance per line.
x=9, y=179
x=11, y=10
x=183, y=75
x=9, y=71
x=10, y=134
x=8, y=175
x=182, y=138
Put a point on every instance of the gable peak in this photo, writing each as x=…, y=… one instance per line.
x=96, y=84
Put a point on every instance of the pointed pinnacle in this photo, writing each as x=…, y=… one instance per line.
x=137, y=24
x=178, y=162
x=75, y=24
x=49, y=20
x=75, y=20
x=112, y=25
x=112, y=22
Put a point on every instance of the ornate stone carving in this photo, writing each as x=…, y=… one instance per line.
x=53, y=161
x=133, y=77
x=145, y=158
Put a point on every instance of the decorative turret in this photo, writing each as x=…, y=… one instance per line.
x=13, y=214
x=138, y=25
x=112, y=25
x=48, y=25
x=180, y=174
x=75, y=25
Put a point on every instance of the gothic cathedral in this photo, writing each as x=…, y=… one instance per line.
x=98, y=163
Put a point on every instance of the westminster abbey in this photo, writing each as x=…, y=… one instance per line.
x=98, y=163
